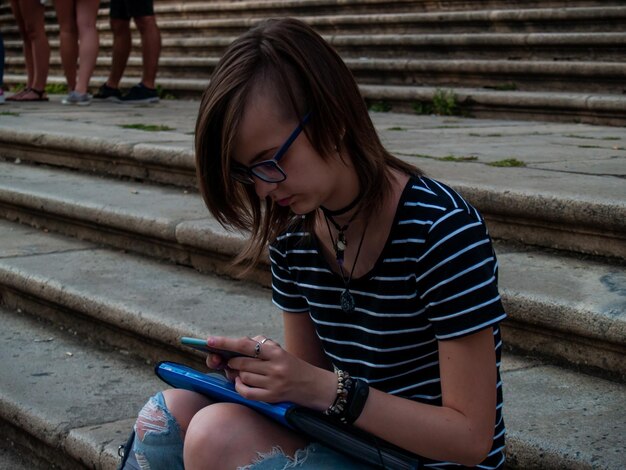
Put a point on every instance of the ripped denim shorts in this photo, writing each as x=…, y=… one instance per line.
x=162, y=448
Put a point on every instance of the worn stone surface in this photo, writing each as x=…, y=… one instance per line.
x=560, y=419
x=20, y=240
x=576, y=297
x=96, y=446
x=151, y=299
x=11, y=459
x=52, y=382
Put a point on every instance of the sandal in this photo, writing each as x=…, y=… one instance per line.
x=29, y=94
x=16, y=96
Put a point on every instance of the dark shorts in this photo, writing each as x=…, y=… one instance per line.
x=127, y=9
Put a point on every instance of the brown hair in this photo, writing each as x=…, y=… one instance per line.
x=288, y=55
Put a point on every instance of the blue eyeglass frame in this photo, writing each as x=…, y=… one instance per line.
x=246, y=174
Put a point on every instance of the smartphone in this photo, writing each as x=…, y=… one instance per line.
x=200, y=344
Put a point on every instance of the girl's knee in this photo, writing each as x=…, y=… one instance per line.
x=183, y=405
x=213, y=424
x=156, y=417
x=158, y=437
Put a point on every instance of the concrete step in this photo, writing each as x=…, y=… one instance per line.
x=12, y=458
x=538, y=20
x=408, y=62
x=136, y=304
x=209, y=9
x=594, y=19
x=567, y=193
x=69, y=402
x=500, y=102
x=601, y=78
x=553, y=302
x=78, y=426
x=525, y=49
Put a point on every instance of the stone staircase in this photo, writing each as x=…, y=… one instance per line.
x=553, y=60
x=108, y=256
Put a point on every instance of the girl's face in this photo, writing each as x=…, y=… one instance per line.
x=311, y=181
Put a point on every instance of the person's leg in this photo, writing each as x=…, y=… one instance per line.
x=2, y=98
x=28, y=53
x=161, y=426
x=66, y=17
x=121, y=50
x=86, y=15
x=150, y=48
x=34, y=22
x=229, y=435
x=1, y=60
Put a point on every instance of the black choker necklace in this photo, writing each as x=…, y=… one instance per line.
x=346, y=299
x=343, y=210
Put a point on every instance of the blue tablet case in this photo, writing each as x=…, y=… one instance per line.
x=218, y=388
x=343, y=438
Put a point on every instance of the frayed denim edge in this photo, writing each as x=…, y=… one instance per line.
x=298, y=459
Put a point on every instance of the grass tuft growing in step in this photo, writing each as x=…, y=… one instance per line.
x=380, y=107
x=444, y=103
x=508, y=163
x=455, y=158
x=56, y=88
x=148, y=127
x=165, y=94
x=397, y=128
x=9, y=113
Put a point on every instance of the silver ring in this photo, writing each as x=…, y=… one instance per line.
x=257, y=349
x=265, y=339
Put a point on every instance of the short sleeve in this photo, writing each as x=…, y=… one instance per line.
x=285, y=292
x=459, y=286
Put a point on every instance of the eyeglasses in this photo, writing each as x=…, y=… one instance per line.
x=268, y=170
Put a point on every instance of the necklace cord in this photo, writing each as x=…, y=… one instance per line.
x=337, y=257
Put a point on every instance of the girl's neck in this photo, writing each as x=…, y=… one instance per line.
x=345, y=200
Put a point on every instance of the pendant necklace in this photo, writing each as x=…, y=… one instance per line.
x=346, y=299
x=342, y=243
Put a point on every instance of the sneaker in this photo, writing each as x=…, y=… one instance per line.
x=81, y=99
x=1, y=96
x=105, y=92
x=141, y=94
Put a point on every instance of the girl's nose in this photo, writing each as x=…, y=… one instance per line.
x=263, y=188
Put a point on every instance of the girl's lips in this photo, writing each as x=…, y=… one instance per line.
x=283, y=202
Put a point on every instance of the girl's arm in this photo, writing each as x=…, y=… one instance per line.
x=462, y=429
x=302, y=341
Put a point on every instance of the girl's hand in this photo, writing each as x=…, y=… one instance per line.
x=272, y=374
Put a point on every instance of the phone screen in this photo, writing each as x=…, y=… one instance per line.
x=200, y=344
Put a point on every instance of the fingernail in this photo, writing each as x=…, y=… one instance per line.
x=211, y=341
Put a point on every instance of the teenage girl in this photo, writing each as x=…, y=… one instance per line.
x=387, y=278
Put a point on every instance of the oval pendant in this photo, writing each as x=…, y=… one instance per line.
x=347, y=301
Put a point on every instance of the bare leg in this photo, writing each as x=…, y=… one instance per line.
x=86, y=14
x=150, y=48
x=28, y=52
x=66, y=16
x=229, y=435
x=33, y=14
x=121, y=50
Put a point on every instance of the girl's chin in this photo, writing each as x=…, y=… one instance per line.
x=300, y=208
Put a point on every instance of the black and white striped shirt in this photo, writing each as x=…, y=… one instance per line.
x=435, y=280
